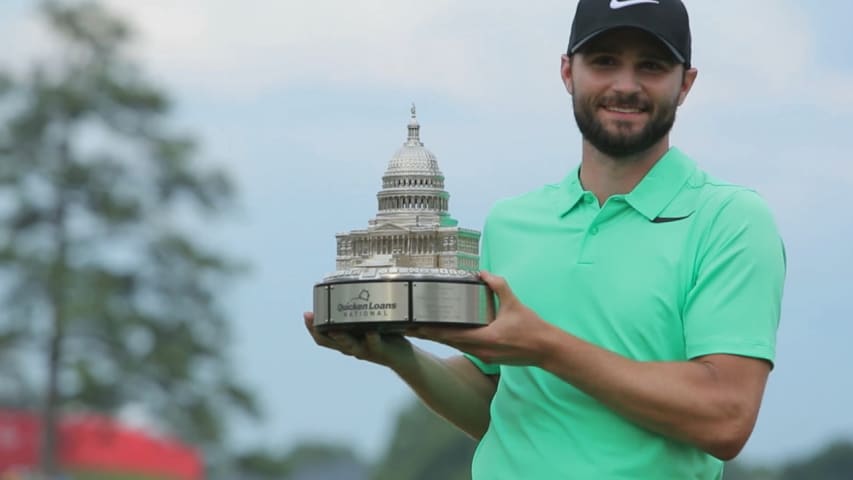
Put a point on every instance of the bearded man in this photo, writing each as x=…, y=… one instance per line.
x=638, y=298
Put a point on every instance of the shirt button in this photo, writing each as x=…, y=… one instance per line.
x=593, y=231
x=588, y=199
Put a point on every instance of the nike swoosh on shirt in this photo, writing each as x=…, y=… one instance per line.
x=670, y=219
x=617, y=4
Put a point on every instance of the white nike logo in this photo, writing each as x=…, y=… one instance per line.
x=617, y=4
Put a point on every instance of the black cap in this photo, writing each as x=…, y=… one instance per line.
x=665, y=19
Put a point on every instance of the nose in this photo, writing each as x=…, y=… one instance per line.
x=625, y=81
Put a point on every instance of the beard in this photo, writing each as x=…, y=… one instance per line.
x=623, y=143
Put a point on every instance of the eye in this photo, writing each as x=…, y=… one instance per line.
x=604, y=60
x=653, y=66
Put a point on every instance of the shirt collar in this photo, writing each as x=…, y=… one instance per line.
x=571, y=191
x=663, y=182
x=654, y=192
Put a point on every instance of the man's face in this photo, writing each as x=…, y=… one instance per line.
x=626, y=87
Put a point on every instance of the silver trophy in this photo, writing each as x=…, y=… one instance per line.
x=413, y=264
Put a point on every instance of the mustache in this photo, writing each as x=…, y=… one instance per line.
x=632, y=100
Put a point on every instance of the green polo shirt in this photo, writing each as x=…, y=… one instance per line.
x=682, y=266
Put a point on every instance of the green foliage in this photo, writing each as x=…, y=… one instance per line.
x=265, y=464
x=425, y=447
x=100, y=273
x=832, y=463
x=262, y=464
x=738, y=471
x=314, y=453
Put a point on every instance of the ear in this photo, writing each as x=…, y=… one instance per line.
x=566, y=73
x=686, y=84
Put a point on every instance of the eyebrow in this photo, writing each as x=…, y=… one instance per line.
x=666, y=57
x=653, y=54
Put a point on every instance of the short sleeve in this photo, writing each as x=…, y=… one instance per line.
x=734, y=304
x=485, y=264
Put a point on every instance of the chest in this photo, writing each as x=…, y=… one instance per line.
x=619, y=281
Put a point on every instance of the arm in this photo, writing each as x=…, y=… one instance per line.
x=711, y=402
x=454, y=388
x=730, y=316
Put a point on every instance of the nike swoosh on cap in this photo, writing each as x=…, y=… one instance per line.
x=617, y=4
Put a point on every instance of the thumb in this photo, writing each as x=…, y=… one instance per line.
x=499, y=286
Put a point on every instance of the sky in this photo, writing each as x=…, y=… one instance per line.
x=304, y=103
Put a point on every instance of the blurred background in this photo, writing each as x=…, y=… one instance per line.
x=172, y=175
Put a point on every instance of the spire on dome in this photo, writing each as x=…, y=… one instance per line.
x=414, y=129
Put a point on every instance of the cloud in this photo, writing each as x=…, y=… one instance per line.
x=477, y=50
x=474, y=51
x=470, y=51
x=758, y=51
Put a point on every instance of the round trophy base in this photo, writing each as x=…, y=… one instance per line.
x=360, y=328
x=394, y=299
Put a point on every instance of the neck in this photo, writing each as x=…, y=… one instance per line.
x=605, y=176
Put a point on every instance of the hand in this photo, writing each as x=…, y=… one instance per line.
x=515, y=337
x=382, y=349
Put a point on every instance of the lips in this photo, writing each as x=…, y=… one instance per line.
x=624, y=109
x=624, y=104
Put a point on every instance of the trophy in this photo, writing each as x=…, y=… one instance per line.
x=413, y=264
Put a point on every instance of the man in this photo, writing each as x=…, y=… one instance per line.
x=639, y=298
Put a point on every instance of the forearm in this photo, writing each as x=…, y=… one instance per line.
x=686, y=400
x=453, y=388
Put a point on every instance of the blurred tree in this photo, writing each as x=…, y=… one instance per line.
x=426, y=447
x=102, y=280
x=260, y=464
x=835, y=462
x=737, y=470
x=307, y=461
x=320, y=461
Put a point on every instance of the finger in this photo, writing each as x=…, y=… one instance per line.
x=324, y=340
x=498, y=285
x=446, y=336
x=349, y=345
x=373, y=341
x=309, y=325
x=491, y=305
x=320, y=339
x=341, y=338
x=460, y=345
x=422, y=332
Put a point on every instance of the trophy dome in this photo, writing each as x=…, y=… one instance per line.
x=413, y=227
x=413, y=157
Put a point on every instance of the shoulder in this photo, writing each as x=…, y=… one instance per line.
x=735, y=219
x=721, y=203
x=539, y=203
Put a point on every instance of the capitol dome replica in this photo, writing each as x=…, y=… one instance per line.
x=413, y=227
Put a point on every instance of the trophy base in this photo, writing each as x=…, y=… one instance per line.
x=394, y=299
x=360, y=328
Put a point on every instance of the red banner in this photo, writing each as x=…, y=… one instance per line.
x=96, y=443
